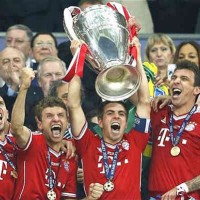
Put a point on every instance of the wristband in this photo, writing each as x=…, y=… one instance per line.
x=182, y=188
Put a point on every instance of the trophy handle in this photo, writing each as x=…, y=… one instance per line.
x=119, y=8
x=68, y=21
x=132, y=30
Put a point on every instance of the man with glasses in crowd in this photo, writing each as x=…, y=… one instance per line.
x=43, y=44
x=19, y=36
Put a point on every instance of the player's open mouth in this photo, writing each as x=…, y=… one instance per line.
x=176, y=92
x=115, y=126
x=1, y=116
x=56, y=129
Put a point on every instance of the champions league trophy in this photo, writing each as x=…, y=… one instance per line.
x=104, y=30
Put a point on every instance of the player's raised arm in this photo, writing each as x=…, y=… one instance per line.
x=20, y=132
x=77, y=116
x=143, y=95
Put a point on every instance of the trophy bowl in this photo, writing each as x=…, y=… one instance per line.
x=105, y=32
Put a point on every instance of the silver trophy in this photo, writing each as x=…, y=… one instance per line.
x=104, y=30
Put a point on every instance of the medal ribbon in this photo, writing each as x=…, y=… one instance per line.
x=11, y=142
x=6, y=155
x=51, y=180
x=175, y=140
x=109, y=171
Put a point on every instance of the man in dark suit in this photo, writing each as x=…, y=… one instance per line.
x=11, y=62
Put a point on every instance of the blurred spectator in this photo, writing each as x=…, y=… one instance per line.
x=43, y=44
x=11, y=63
x=188, y=50
x=19, y=36
x=50, y=69
x=59, y=88
x=160, y=50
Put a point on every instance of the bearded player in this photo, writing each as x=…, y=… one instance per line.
x=176, y=138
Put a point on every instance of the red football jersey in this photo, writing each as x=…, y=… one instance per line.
x=7, y=182
x=168, y=171
x=127, y=175
x=33, y=170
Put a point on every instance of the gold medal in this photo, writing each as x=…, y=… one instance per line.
x=108, y=186
x=175, y=151
x=14, y=174
x=51, y=195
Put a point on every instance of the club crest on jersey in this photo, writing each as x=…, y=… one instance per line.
x=125, y=145
x=190, y=126
x=66, y=166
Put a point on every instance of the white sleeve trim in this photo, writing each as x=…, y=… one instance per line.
x=83, y=130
